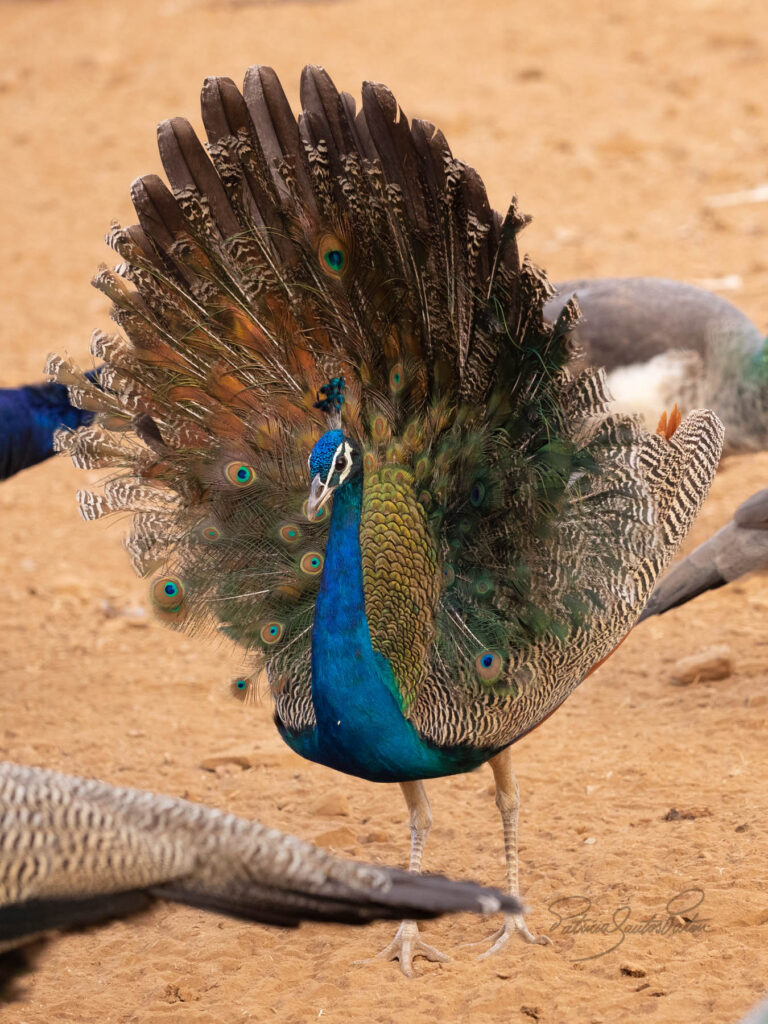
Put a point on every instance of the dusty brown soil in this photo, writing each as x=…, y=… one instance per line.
x=614, y=125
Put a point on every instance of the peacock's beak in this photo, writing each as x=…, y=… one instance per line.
x=318, y=492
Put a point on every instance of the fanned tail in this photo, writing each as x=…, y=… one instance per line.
x=511, y=525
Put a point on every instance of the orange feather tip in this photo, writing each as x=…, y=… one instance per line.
x=667, y=425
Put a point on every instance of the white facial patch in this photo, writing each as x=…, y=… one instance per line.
x=343, y=451
x=348, y=468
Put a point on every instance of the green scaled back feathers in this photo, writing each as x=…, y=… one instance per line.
x=510, y=529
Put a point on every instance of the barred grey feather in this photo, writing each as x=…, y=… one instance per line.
x=68, y=846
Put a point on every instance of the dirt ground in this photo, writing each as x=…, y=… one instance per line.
x=614, y=123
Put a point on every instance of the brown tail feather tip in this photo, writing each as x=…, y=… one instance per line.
x=667, y=426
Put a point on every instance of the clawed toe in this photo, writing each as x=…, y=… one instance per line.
x=405, y=947
x=513, y=925
x=408, y=944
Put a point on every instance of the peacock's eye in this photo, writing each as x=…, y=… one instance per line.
x=271, y=632
x=334, y=259
x=240, y=474
x=290, y=533
x=477, y=493
x=320, y=515
x=167, y=592
x=333, y=255
x=396, y=378
x=488, y=665
x=341, y=463
x=312, y=563
x=243, y=689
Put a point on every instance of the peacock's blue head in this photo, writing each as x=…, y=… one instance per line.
x=334, y=460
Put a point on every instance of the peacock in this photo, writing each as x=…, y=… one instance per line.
x=740, y=547
x=347, y=438
x=29, y=418
x=78, y=851
x=660, y=341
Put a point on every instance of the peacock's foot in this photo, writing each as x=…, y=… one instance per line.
x=405, y=947
x=514, y=924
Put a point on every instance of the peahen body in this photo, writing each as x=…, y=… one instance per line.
x=78, y=851
x=476, y=530
x=664, y=341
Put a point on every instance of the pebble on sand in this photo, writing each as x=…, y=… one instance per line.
x=710, y=664
x=217, y=761
x=332, y=803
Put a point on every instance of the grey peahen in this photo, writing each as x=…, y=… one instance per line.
x=757, y=1015
x=77, y=851
x=476, y=531
x=664, y=341
x=739, y=548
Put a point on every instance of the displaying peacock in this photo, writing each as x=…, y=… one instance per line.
x=348, y=438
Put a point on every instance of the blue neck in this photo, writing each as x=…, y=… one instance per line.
x=347, y=674
x=340, y=605
x=361, y=729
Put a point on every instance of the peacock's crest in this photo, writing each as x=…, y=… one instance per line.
x=346, y=271
x=330, y=399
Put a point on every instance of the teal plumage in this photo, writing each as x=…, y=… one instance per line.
x=480, y=531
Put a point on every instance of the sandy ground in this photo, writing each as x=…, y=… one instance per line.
x=614, y=124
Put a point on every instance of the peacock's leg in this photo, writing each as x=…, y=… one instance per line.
x=407, y=943
x=508, y=802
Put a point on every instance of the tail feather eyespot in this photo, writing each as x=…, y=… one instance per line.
x=239, y=474
x=333, y=255
x=271, y=632
x=488, y=665
x=320, y=515
x=311, y=563
x=477, y=494
x=290, y=533
x=380, y=429
x=484, y=585
x=396, y=378
x=244, y=689
x=167, y=593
